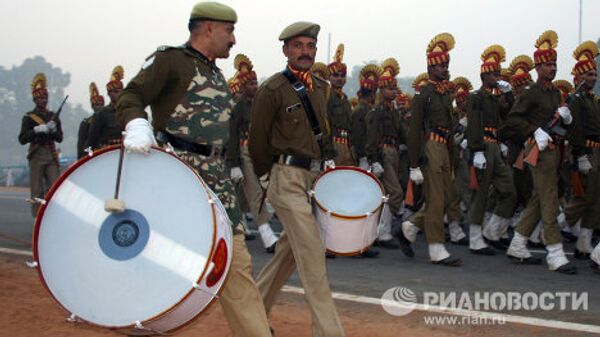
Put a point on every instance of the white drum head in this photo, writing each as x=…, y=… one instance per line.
x=348, y=191
x=115, y=269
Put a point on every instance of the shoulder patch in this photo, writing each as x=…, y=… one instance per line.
x=148, y=61
x=164, y=48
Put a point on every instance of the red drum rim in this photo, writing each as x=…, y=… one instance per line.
x=40, y=215
x=348, y=168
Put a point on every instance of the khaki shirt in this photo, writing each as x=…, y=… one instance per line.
x=339, y=111
x=383, y=127
x=103, y=129
x=484, y=110
x=585, y=109
x=280, y=124
x=239, y=127
x=439, y=112
x=533, y=109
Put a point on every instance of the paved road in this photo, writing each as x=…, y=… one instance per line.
x=372, y=277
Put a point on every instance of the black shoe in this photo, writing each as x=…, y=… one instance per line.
x=330, y=255
x=483, y=251
x=271, y=248
x=250, y=236
x=595, y=267
x=449, y=261
x=462, y=242
x=528, y=260
x=404, y=244
x=387, y=244
x=370, y=253
x=579, y=255
x=568, y=269
x=499, y=245
x=568, y=236
x=538, y=245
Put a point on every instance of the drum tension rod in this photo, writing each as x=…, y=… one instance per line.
x=139, y=326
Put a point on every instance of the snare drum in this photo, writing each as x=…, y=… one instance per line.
x=147, y=270
x=347, y=205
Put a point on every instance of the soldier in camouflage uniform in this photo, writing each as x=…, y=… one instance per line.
x=241, y=164
x=104, y=129
x=97, y=103
x=41, y=128
x=191, y=107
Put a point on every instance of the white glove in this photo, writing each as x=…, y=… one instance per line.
x=42, y=128
x=138, y=136
x=583, y=164
x=52, y=126
x=463, y=121
x=479, y=160
x=416, y=176
x=458, y=137
x=236, y=174
x=504, y=150
x=565, y=114
x=363, y=163
x=504, y=86
x=464, y=144
x=329, y=164
x=264, y=181
x=377, y=169
x=402, y=147
x=542, y=138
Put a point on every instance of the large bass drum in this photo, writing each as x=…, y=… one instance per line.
x=147, y=270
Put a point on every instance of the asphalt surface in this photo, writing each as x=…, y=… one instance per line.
x=372, y=277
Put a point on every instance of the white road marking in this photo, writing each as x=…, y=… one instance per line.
x=547, y=323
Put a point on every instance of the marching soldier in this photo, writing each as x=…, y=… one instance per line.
x=486, y=109
x=432, y=119
x=97, y=103
x=369, y=77
x=384, y=137
x=241, y=165
x=41, y=128
x=104, y=129
x=289, y=137
x=538, y=115
x=183, y=84
x=339, y=111
x=584, y=138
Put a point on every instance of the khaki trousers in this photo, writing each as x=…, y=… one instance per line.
x=343, y=155
x=587, y=207
x=300, y=246
x=43, y=171
x=439, y=192
x=391, y=178
x=544, y=200
x=240, y=299
x=252, y=190
x=498, y=175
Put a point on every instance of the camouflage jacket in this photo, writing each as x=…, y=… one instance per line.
x=166, y=78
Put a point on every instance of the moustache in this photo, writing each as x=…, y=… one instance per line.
x=305, y=57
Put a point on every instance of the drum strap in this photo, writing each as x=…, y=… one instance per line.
x=300, y=90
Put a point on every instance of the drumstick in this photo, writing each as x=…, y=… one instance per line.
x=115, y=205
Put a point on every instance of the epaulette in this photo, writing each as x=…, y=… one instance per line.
x=165, y=48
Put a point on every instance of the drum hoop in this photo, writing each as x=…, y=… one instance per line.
x=352, y=168
x=49, y=196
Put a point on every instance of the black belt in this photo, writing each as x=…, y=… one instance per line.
x=440, y=132
x=298, y=161
x=184, y=145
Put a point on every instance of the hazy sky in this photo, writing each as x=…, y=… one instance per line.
x=88, y=37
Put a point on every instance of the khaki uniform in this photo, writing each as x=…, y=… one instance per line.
x=359, y=129
x=534, y=108
x=584, y=137
x=339, y=113
x=82, y=136
x=384, y=136
x=280, y=126
x=183, y=87
x=485, y=113
x=240, y=157
x=433, y=109
x=104, y=129
x=42, y=154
